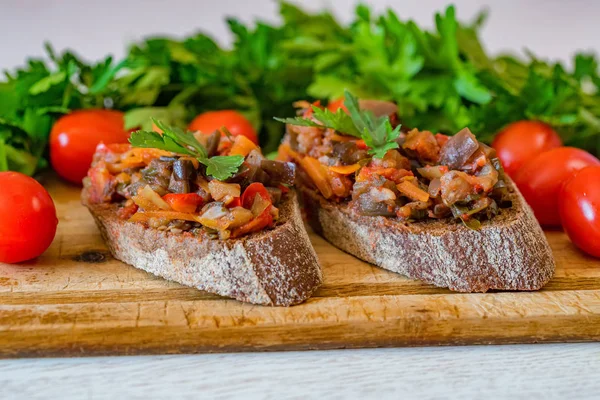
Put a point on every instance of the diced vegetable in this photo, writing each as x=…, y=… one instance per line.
x=345, y=169
x=251, y=192
x=456, y=186
x=458, y=149
x=260, y=204
x=101, y=184
x=236, y=202
x=286, y=153
x=366, y=205
x=423, y=143
x=186, y=203
x=240, y=216
x=413, y=192
x=318, y=173
x=435, y=187
x=432, y=171
x=276, y=193
x=215, y=216
x=183, y=169
x=242, y=146
x=128, y=210
x=260, y=222
x=149, y=200
x=220, y=190
x=279, y=172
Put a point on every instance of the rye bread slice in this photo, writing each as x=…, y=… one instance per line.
x=275, y=267
x=509, y=252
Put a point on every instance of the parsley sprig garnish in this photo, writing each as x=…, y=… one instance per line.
x=377, y=132
x=175, y=140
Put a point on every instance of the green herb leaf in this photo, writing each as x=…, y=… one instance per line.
x=300, y=121
x=223, y=167
x=377, y=133
x=109, y=73
x=154, y=140
x=185, y=139
x=340, y=121
x=177, y=141
x=173, y=115
x=44, y=84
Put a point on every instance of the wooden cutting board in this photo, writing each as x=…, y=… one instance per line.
x=77, y=300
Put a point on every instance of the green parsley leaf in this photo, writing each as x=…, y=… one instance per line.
x=223, y=167
x=44, y=84
x=382, y=139
x=300, y=121
x=177, y=141
x=340, y=121
x=362, y=121
x=153, y=140
x=377, y=133
x=185, y=139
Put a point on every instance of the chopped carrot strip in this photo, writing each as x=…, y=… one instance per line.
x=412, y=191
x=286, y=153
x=345, y=169
x=318, y=173
x=242, y=146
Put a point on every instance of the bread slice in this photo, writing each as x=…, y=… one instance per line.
x=509, y=252
x=275, y=267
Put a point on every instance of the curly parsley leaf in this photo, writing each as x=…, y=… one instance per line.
x=377, y=132
x=177, y=141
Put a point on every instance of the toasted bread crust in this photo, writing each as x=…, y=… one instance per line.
x=509, y=252
x=274, y=267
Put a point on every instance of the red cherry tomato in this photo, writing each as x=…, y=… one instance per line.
x=235, y=122
x=27, y=218
x=74, y=138
x=541, y=179
x=250, y=194
x=579, y=205
x=523, y=140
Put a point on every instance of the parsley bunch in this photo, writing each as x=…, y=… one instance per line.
x=442, y=80
x=175, y=140
x=377, y=132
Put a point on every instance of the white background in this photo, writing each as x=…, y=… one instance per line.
x=552, y=28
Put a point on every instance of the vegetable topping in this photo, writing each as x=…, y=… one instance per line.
x=190, y=182
x=367, y=160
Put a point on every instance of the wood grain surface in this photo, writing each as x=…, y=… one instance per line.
x=77, y=300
